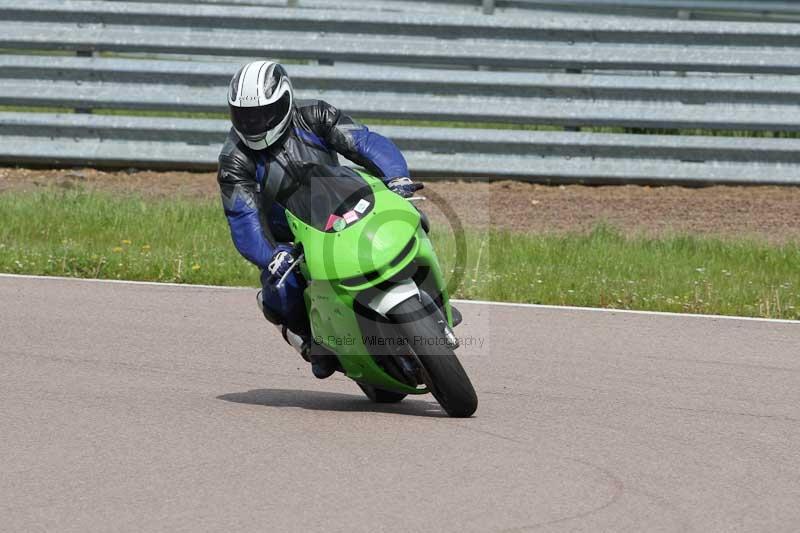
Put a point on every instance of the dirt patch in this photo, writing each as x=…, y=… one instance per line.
x=766, y=213
x=146, y=183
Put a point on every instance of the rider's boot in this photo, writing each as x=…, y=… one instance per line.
x=323, y=365
x=298, y=342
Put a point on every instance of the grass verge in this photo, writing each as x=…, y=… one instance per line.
x=90, y=234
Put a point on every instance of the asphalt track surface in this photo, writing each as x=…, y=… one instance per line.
x=146, y=408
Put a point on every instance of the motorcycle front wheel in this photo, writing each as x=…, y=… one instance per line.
x=442, y=371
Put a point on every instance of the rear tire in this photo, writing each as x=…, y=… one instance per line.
x=380, y=395
x=449, y=383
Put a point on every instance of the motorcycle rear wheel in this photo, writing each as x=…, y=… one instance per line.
x=443, y=373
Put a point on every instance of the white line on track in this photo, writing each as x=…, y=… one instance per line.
x=471, y=302
x=128, y=282
x=629, y=311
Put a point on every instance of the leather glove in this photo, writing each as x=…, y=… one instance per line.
x=403, y=186
x=281, y=260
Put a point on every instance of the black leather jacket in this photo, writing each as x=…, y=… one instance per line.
x=317, y=133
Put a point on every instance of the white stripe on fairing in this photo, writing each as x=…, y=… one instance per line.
x=455, y=300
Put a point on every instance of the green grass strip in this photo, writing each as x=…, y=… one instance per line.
x=681, y=273
x=89, y=234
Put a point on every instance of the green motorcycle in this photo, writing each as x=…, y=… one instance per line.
x=376, y=298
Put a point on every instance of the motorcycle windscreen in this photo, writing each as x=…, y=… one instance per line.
x=328, y=198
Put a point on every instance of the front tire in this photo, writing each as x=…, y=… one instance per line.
x=380, y=395
x=446, y=378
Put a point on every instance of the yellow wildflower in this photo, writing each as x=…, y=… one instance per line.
x=126, y=241
x=195, y=267
x=117, y=249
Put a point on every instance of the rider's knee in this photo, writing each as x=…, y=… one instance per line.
x=284, y=305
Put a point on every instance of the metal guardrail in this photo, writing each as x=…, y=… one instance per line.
x=668, y=8
x=399, y=50
x=459, y=108
x=155, y=154
x=442, y=140
x=750, y=6
x=415, y=81
x=659, y=7
x=532, y=27
x=746, y=79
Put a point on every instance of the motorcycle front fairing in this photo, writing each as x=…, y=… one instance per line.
x=373, y=261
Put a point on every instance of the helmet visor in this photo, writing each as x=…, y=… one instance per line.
x=257, y=121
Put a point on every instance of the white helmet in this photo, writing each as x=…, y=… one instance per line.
x=260, y=100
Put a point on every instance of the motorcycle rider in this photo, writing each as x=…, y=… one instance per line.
x=272, y=135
